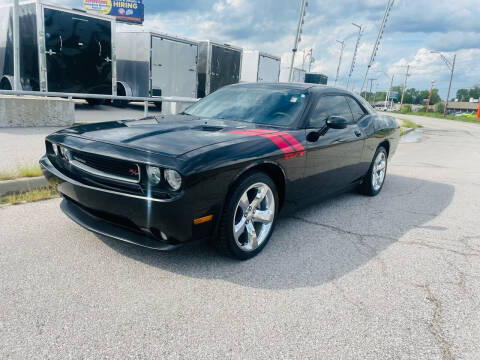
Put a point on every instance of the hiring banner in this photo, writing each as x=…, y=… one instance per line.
x=125, y=10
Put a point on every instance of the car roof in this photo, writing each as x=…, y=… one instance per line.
x=318, y=88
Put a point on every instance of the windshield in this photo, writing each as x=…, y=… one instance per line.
x=278, y=107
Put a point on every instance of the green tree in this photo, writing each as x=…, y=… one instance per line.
x=466, y=94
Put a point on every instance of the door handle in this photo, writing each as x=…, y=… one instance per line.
x=50, y=52
x=107, y=59
x=358, y=133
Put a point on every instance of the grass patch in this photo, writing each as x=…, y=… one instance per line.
x=29, y=196
x=410, y=124
x=407, y=124
x=471, y=119
x=22, y=171
x=7, y=175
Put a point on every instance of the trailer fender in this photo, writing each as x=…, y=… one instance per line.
x=6, y=83
x=123, y=89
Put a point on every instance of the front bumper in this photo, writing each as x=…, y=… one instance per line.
x=154, y=223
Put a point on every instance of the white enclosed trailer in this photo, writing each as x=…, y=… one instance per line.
x=151, y=64
x=298, y=75
x=258, y=66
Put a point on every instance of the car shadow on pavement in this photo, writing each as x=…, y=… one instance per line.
x=317, y=244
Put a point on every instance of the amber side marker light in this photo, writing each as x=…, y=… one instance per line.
x=203, y=220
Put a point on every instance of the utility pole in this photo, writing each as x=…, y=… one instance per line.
x=352, y=66
x=451, y=67
x=305, y=55
x=342, y=43
x=377, y=42
x=303, y=11
x=16, y=47
x=404, y=86
x=387, y=96
x=371, y=85
x=429, y=96
x=312, y=60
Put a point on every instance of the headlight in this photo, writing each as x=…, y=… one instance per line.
x=173, y=178
x=154, y=174
x=67, y=154
x=55, y=149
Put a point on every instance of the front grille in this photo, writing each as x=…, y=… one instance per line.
x=106, y=167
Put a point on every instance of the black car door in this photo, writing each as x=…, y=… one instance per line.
x=333, y=155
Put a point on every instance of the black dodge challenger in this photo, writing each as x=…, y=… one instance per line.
x=223, y=169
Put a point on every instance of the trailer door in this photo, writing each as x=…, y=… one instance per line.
x=174, y=68
x=78, y=53
x=268, y=69
x=225, y=67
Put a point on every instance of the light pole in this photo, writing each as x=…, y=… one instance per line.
x=352, y=66
x=451, y=67
x=404, y=86
x=429, y=96
x=377, y=42
x=370, y=92
x=303, y=11
x=387, y=95
x=309, y=55
x=342, y=43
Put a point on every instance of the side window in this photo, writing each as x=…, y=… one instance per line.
x=329, y=105
x=357, y=110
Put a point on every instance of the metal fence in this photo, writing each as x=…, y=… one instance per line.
x=70, y=96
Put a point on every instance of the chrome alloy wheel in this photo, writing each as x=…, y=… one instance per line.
x=254, y=216
x=379, y=169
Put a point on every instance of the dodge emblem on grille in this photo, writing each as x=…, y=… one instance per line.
x=133, y=172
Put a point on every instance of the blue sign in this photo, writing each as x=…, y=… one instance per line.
x=124, y=10
x=393, y=95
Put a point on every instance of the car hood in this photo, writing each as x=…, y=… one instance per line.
x=172, y=135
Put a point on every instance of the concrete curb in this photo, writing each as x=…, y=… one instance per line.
x=23, y=184
x=407, y=131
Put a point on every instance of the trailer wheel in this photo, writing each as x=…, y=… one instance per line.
x=5, y=83
x=95, y=102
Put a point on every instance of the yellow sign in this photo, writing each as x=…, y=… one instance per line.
x=103, y=6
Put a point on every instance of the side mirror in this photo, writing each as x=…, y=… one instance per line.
x=337, y=122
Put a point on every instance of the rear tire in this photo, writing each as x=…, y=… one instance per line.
x=375, y=177
x=249, y=217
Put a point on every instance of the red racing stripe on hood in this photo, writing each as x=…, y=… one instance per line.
x=290, y=139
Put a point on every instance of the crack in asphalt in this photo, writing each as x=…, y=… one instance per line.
x=435, y=324
x=360, y=237
x=359, y=305
x=438, y=247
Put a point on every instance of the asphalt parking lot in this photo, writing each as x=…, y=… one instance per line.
x=391, y=277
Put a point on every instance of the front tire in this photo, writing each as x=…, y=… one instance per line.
x=375, y=178
x=249, y=217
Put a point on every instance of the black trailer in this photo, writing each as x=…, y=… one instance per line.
x=61, y=50
x=316, y=78
x=218, y=65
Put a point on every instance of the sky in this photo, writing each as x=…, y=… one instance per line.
x=414, y=28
